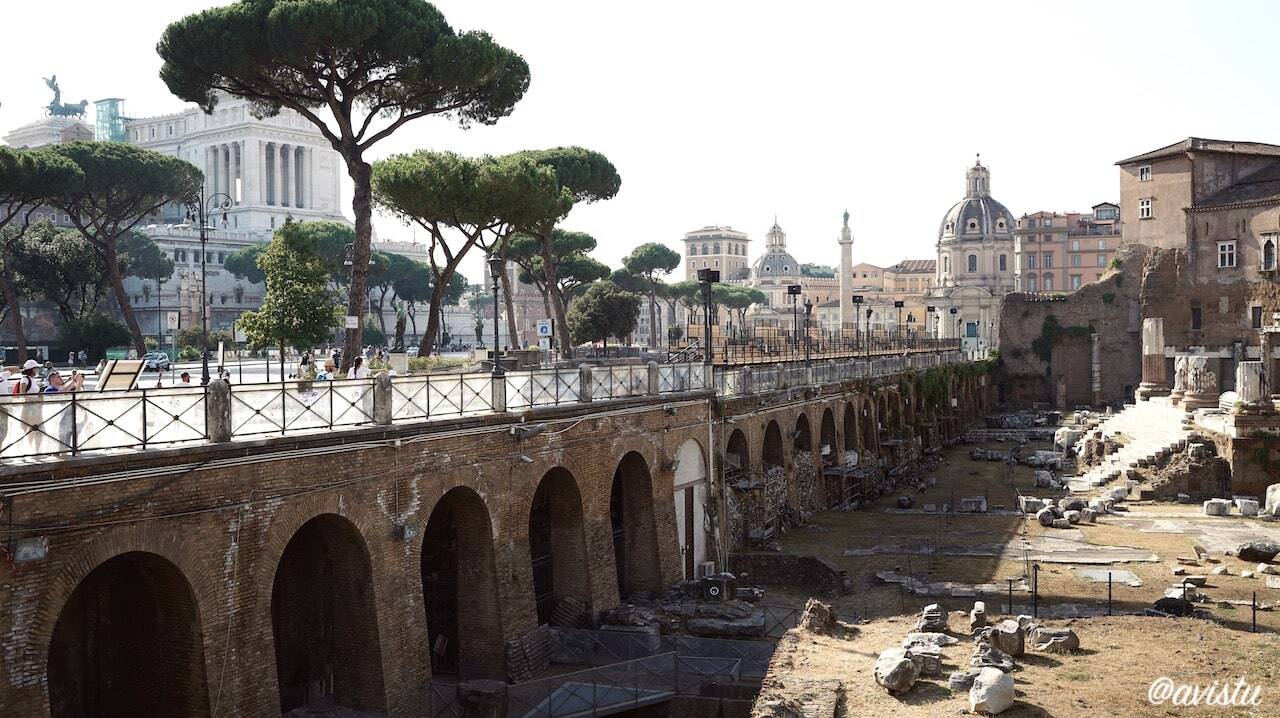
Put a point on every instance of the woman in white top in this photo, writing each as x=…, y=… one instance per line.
x=26, y=382
x=358, y=370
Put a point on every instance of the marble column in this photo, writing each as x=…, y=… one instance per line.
x=311, y=177
x=275, y=173
x=228, y=175
x=213, y=170
x=249, y=172
x=1201, y=385
x=286, y=176
x=1252, y=388
x=298, y=179
x=1269, y=339
x=1155, y=380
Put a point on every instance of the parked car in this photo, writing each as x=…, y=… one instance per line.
x=155, y=361
x=412, y=351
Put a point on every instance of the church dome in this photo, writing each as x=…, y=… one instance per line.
x=776, y=262
x=978, y=215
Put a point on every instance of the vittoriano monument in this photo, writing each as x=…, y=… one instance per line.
x=56, y=108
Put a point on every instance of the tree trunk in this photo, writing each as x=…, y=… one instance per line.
x=413, y=318
x=382, y=323
x=433, y=315
x=361, y=175
x=557, y=300
x=512, y=332
x=122, y=299
x=653, y=317
x=11, y=302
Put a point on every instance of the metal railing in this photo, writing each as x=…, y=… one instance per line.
x=45, y=425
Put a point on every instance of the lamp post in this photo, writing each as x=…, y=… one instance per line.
x=959, y=339
x=495, y=272
x=794, y=291
x=897, y=324
x=707, y=277
x=808, y=338
x=857, y=309
x=199, y=207
x=869, y=310
x=931, y=321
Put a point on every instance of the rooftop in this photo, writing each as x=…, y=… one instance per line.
x=1199, y=144
x=914, y=266
x=1261, y=187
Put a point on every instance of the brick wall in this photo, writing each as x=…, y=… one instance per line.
x=287, y=552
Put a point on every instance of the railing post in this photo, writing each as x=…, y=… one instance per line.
x=584, y=384
x=382, y=408
x=780, y=370
x=217, y=410
x=498, y=390
x=708, y=375
x=655, y=382
x=745, y=381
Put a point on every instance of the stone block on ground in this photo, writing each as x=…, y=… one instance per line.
x=896, y=671
x=1256, y=551
x=1088, y=516
x=1071, y=504
x=1055, y=640
x=932, y=619
x=1045, y=517
x=987, y=656
x=819, y=619
x=1267, y=568
x=927, y=641
x=1061, y=524
x=1247, y=507
x=1217, y=507
x=1072, y=517
x=978, y=616
x=1272, y=500
x=1029, y=504
x=1007, y=637
x=973, y=505
x=991, y=692
x=962, y=680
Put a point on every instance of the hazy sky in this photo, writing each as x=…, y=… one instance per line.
x=733, y=112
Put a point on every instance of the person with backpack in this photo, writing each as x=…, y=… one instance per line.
x=26, y=382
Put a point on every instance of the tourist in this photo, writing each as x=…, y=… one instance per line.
x=4, y=382
x=184, y=379
x=84, y=358
x=330, y=368
x=358, y=370
x=26, y=383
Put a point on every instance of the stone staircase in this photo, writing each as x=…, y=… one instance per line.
x=1149, y=432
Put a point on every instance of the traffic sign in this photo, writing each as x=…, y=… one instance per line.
x=545, y=327
x=171, y=320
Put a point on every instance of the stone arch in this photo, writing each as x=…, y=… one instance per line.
x=868, y=421
x=737, y=453
x=557, y=548
x=324, y=620
x=128, y=642
x=827, y=438
x=460, y=588
x=802, y=436
x=631, y=517
x=690, y=506
x=771, y=451
x=851, y=436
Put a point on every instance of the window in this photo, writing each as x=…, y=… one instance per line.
x=1075, y=282
x=1004, y=263
x=1144, y=208
x=1102, y=244
x=1048, y=260
x=1075, y=260
x=972, y=226
x=705, y=248
x=1144, y=173
x=1075, y=245
x=1048, y=282
x=1195, y=317
x=946, y=265
x=1269, y=251
x=1031, y=261
x=716, y=247
x=1226, y=254
x=693, y=250
x=1102, y=260
x=1255, y=317
x=1031, y=284
x=973, y=262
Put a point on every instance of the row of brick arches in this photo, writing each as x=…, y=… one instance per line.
x=130, y=640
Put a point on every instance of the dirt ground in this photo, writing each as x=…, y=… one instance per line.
x=923, y=545
x=1110, y=675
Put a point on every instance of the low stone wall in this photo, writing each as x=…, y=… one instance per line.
x=780, y=569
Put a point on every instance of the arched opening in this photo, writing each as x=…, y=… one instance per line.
x=558, y=551
x=324, y=621
x=850, y=428
x=771, y=454
x=868, y=425
x=127, y=642
x=690, y=507
x=737, y=456
x=460, y=588
x=827, y=439
x=803, y=441
x=635, y=537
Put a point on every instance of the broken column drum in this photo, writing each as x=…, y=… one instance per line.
x=1201, y=384
x=1252, y=388
x=1179, y=379
x=1155, y=380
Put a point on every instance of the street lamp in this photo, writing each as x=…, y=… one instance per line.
x=931, y=321
x=199, y=207
x=808, y=338
x=959, y=339
x=495, y=272
x=857, y=309
x=794, y=291
x=869, y=310
x=707, y=277
x=897, y=324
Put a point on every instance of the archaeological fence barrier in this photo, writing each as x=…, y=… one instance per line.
x=39, y=426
